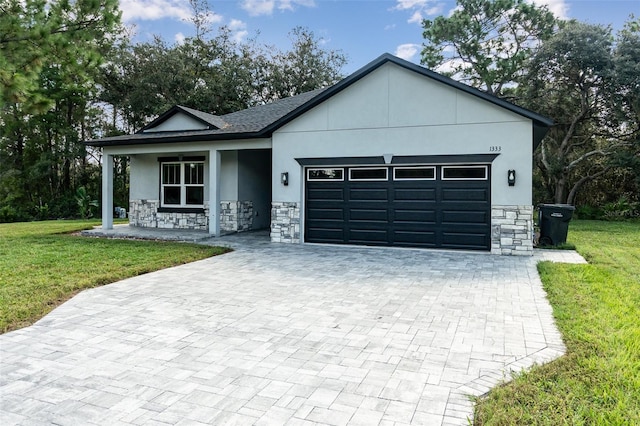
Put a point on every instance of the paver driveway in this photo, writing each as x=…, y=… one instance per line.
x=283, y=334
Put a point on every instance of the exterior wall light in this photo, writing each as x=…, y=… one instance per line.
x=284, y=178
x=511, y=177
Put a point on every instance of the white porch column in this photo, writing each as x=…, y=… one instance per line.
x=214, y=192
x=107, y=191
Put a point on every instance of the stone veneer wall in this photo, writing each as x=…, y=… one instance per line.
x=144, y=213
x=236, y=216
x=285, y=222
x=512, y=230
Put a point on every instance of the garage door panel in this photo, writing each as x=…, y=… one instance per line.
x=464, y=240
x=325, y=213
x=368, y=194
x=415, y=238
x=464, y=217
x=414, y=216
x=364, y=236
x=325, y=194
x=325, y=235
x=465, y=194
x=411, y=194
x=378, y=215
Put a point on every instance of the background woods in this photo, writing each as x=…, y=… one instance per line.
x=69, y=72
x=583, y=76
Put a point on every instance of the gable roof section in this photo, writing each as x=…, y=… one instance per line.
x=261, y=121
x=211, y=121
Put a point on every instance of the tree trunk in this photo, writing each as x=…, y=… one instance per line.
x=561, y=190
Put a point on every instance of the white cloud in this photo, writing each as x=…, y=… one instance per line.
x=435, y=10
x=390, y=27
x=179, y=38
x=558, y=7
x=258, y=7
x=416, y=18
x=407, y=51
x=452, y=64
x=150, y=10
x=238, y=30
x=419, y=9
x=266, y=7
x=410, y=4
x=289, y=4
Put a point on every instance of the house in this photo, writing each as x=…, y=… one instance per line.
x=394, y=154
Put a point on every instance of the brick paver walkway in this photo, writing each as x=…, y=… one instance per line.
x=277, y=333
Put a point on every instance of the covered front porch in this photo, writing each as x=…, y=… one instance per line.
x=216, y=190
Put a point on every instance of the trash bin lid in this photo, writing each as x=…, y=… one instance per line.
x=557, y=206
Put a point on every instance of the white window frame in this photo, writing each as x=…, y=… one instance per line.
x=309, y=178
x=486, y=172
x=183, y=186
x=414, y=168
x=386, y=174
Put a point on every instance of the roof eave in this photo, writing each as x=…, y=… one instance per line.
x=176, y=138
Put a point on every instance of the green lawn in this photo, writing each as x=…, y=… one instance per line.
x=597, y=309
x=40, y=267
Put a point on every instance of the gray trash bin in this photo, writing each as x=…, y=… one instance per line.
x=553, y=220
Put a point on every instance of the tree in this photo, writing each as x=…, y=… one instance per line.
x=486, y=42
x=307, y=66
x=32, y=32
x=49, y=54
x=574, y=79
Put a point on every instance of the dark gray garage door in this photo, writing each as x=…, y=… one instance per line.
x=411, y=206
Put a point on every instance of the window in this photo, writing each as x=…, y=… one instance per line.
x=325, y=174
x=182, y=184
x=464, y=173
x=368, y=174
x=414, y=173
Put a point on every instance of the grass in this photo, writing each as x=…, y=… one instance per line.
x=597, y=309
x=42, y=265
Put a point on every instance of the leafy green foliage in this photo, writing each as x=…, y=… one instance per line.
x=217, y=75
x=574, y=78
x=50, y=54
x=596, y=308
x=39, y=34
x=68, y=73
x=41, y=267
x=486, y=42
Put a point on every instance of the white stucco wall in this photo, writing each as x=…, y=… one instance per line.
x=396, y=111
x=144, y=177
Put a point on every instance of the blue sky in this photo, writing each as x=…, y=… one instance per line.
x=362, y=29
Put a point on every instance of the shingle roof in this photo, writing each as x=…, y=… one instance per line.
x=247, y=123
x=261, y=121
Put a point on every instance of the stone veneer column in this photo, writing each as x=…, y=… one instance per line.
x=285, y=222
x=236, y=216
x=143, y=213
x=512, y=230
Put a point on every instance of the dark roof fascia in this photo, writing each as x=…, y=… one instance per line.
x=541, y=120
x=170, y=113
x=444, y=159
x=175, y=138
x=340, y=161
